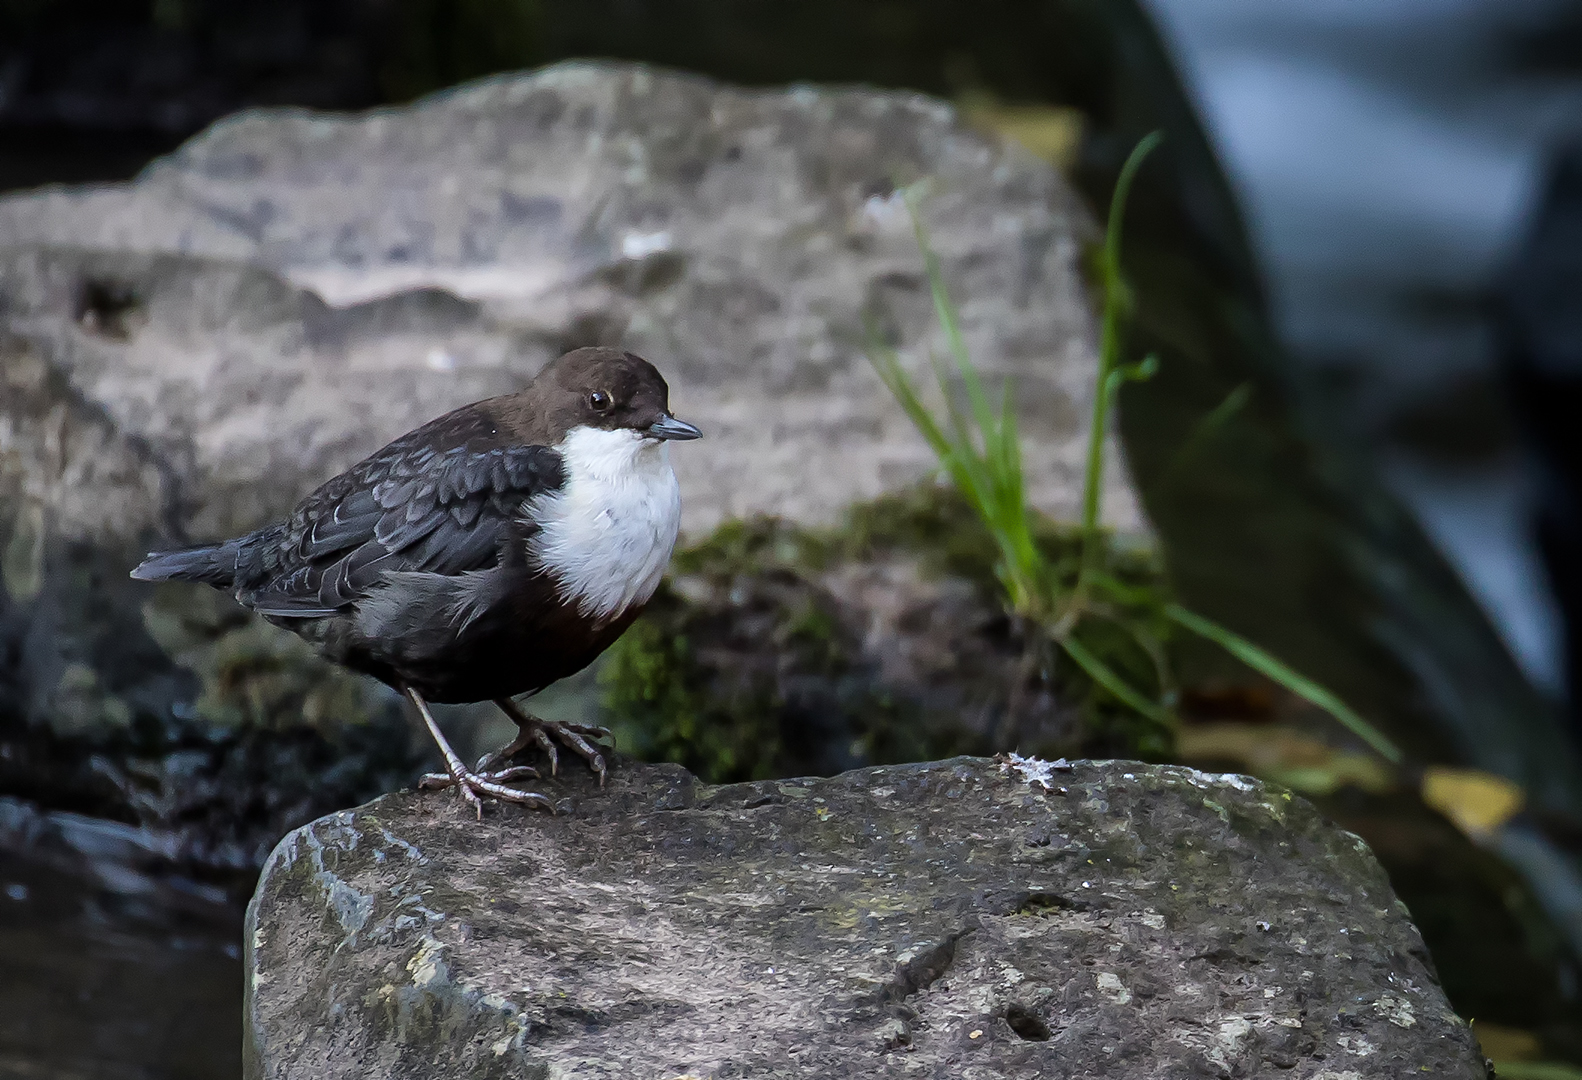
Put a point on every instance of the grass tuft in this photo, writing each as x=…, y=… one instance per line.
x=1074, y=606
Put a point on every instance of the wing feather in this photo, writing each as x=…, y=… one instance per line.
x=407, y=508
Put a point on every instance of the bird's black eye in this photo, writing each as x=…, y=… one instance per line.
x=598, y=401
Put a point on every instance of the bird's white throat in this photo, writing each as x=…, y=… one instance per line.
x=606, y=535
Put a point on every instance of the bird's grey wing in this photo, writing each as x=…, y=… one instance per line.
x=408, y=508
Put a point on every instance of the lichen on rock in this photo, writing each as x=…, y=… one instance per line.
x=943, y=919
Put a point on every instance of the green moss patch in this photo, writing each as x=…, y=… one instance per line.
x=778, y=650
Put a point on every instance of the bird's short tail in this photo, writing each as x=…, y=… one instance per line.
x=213, y=564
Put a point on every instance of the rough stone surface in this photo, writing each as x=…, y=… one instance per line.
x=956, y=919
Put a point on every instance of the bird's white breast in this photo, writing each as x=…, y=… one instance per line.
x=606, y=535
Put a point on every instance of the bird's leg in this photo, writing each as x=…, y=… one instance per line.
x=535, y=732
x=471, y=785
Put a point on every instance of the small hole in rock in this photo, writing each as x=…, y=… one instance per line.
x=1026, y=1024
x=110, y=309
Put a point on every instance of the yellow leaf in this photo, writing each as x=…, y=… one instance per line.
x=1506, y=1043
x=1284, y=755
x=1052, y=132
x=1478, y=803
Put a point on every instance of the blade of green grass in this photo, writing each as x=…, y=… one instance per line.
x=1141, y=371
x=945, y=312
x=1105, y=676
x=1110, y=331
x=1135, y=596
x=1204, y=430
x=1234, y=402
x=1007, y=456
x=986, y=468
x=963, y=442
x=1298, y=684
x=1537, y=1070
x=990, y=478
x=888, y=366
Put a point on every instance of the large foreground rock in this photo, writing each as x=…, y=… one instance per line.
x=956, y=919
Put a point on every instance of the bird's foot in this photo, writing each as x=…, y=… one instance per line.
x=476, y=786
x=544, y=734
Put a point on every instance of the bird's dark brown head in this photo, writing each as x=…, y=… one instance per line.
x=603, y=388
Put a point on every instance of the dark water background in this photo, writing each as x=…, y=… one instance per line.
x=116, y=967
x=1388, y=156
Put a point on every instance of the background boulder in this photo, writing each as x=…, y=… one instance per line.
x=343, y=278
x=187, y=355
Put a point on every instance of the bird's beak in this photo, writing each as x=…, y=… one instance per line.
x=668, y=427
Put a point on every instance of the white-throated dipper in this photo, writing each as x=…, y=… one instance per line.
x=482, y=556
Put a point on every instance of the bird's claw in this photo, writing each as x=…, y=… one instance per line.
x=576, y=737
x=536, y=732
x=475, y=785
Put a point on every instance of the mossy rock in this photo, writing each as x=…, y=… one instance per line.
x=956, y=918
x=781, y=650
